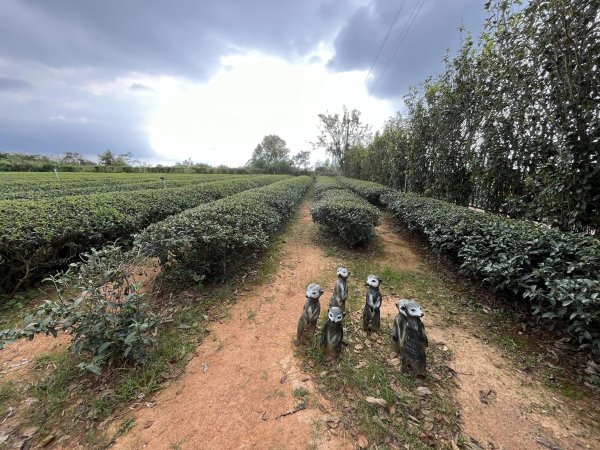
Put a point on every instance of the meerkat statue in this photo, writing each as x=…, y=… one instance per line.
x=409, y=338
x=340, y=293
x=333, y=332
x=307, y=323
x=371, y=313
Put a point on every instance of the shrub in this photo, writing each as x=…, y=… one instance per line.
x=556, y=272
x=108, y=321
x=372, y=192
x=207, y=242
x=33, y=188
x=344, y=215
x=37, y=236
x=325, y=183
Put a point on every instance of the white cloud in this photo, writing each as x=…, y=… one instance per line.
x=253, y=95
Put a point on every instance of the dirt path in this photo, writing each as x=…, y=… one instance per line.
x=520, y=413
x=245, y=374
x=233, y=393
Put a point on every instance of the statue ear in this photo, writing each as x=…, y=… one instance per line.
x=321, y=292
x=403, y=310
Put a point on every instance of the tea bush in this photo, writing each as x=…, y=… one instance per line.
x=343, y=214
x=207, y=242
x=366, y=189
x=555, y=271
x=108, y=321
x=37, y=236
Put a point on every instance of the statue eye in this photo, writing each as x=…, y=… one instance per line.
x=339, y=318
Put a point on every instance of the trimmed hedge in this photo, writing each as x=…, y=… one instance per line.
x=366, y=189
x=35, y=190
x=324, y=184
x=343, y=214
x=37, y=236
x=206, y=243
x=556, y=272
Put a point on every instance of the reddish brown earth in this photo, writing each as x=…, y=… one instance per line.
x=238, y=390
x=235, y=392
x=16, y=359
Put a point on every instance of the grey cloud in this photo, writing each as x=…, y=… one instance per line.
x=420, y=53
x=64, y=46
x=183, y=38
x=14, y=85
x=140, y=87
x=62, y=115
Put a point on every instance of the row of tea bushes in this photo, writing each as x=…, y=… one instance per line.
x=343, y=214
x=556, y=272
x=366, y=189
x=208, y=242
x=44, y=189
x=38, y=236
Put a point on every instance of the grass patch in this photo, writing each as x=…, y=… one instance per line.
x=366, y=370
x=300, y=392
x=9, y=393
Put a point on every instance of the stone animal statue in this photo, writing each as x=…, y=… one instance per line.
x=307, y=323
x=409, y=338
x=333, y=332
x=371, y=312
x=340, y=293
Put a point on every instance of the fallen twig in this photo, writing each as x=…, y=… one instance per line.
x=298, y=407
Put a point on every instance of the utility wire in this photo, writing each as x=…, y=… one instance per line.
x=384, y=40
x=410, y=21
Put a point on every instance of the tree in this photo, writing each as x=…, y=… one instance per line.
x=302, y=159
x=74, y=158
x=271, y=155
x=108, y=158
x=338, y=134
x=186, y=163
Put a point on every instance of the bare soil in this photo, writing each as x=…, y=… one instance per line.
x=16, y=359
x=246, y=388
x=244, y=375
x=238, y=392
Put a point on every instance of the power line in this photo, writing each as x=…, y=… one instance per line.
x=384, y=41
x=403, y=34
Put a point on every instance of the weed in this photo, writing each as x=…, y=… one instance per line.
x=275, y=393
x=300, y=392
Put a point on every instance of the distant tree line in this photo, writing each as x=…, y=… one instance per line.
x=270, y=156
x=511, y=126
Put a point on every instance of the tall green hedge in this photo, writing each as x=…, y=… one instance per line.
x=207, y=242
x=37, y=236
x=556, y=272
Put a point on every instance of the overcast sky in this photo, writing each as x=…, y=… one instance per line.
x=168, y=80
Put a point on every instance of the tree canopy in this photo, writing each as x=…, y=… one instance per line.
x=272, y=155
x=512, y=123
x=339, y=133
